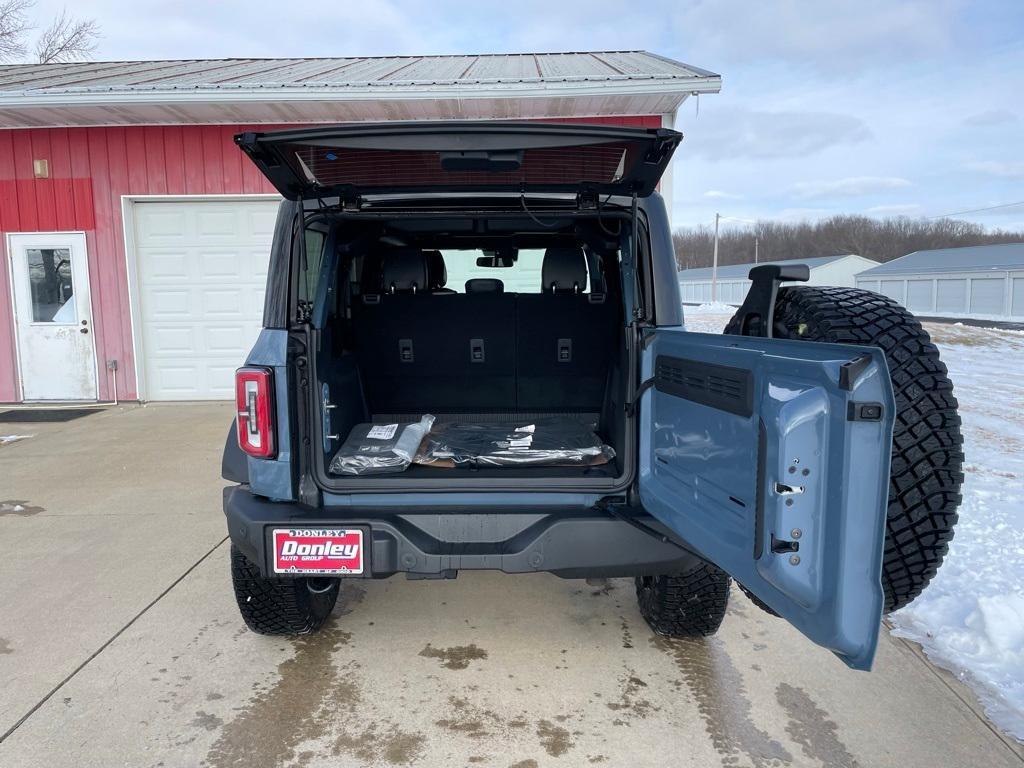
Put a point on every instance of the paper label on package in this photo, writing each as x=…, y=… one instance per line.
x=382, y=431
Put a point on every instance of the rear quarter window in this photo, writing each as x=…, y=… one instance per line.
x=309, y=274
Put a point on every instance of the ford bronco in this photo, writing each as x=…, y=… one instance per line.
x=812, y=452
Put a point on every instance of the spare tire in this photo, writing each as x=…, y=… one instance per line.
x=927, y=446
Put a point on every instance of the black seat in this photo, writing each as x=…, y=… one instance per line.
x=437, y=273
x=564, y=270
x=404, y=270
x=485, y=285
x=566, y=338
x=423, y=352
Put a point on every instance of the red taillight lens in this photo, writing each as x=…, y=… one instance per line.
x=254, y=404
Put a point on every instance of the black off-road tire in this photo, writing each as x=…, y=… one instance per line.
x=688, y=604
x=274, y=606
x=927, y=445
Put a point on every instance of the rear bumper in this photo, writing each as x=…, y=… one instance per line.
x=436, y=543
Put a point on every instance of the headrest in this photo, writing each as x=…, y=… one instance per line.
x=437, y=273
x=485, y=285
x=404, y=270
x=564, y=270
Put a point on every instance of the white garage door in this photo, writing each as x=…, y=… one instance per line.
x=201, y=270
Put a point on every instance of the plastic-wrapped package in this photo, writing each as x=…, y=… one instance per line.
x=551, y=442
x=373, y=449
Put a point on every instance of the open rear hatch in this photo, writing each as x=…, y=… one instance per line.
x=351, y=161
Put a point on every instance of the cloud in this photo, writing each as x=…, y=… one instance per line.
x=804, y=214
x=717, y=194
x=910, y=209
x=990, y=117
x=739, y=132
x=825, y=36
x=852, y=186
x=1013, y=170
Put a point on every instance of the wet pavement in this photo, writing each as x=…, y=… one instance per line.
x=120, y=645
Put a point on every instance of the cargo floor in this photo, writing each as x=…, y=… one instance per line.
x=610, y=469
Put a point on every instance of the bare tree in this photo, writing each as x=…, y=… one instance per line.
x=65, y=39
x=14, y=26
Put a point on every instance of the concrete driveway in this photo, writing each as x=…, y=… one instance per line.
x=120, y=645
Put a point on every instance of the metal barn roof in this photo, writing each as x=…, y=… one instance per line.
x=293, y=90
x=740, y=271
x=974, y=258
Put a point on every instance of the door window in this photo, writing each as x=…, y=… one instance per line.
x=51, y=286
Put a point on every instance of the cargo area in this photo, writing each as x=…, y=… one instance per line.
x=489, y=328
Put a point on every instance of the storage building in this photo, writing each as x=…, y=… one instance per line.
x=983, y=282
x=733, y=283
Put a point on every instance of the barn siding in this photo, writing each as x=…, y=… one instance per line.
x=90, y=170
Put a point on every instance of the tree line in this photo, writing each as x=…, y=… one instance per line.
x=878, y=239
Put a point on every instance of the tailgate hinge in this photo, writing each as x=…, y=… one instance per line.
x=632, y=405
x=614, y=507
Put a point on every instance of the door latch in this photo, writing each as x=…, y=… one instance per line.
x=325, y=415
x=781, y=546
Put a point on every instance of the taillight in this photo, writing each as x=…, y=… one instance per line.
x=254, y=404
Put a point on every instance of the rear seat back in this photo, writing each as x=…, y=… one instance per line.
x=421, y=352
x=566, y=338
x=483, y=350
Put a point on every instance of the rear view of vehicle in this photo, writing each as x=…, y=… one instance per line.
x=474, y=358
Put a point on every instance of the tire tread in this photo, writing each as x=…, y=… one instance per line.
x=687, y=604
x=927, y=452
x=277, y=606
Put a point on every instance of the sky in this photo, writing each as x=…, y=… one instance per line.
x=872, y=107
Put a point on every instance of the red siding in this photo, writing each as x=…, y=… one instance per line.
x=90, y=170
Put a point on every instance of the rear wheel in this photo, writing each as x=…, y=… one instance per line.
x=927, y=454
x=687, y=604
x=276, y=606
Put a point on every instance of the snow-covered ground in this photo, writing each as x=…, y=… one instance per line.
x=970, y=619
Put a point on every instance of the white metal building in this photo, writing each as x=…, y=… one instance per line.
x=984, y=282
x=733, y=283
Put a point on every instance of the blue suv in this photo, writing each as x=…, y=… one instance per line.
x=547, y=410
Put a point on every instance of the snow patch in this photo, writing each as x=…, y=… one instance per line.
x=5, y=439
x=714, y=308
x=970, y=619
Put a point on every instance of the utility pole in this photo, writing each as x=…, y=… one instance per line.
x=714, y=264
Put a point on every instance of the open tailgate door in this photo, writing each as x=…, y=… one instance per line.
x=351, y=161
x=770, y=458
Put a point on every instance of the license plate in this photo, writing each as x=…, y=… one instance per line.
x=319, y=551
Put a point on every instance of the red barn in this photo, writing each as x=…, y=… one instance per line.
x=136, y=235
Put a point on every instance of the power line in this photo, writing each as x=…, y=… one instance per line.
x=976, y=210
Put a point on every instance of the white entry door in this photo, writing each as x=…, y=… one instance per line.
x=56, y=343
